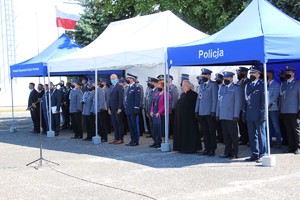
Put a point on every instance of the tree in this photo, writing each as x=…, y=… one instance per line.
x=208, y=16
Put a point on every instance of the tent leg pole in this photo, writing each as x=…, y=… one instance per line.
x=166, y=147
x=268, y=160
x=50, y=133
x=13, y=128
x=96, y=139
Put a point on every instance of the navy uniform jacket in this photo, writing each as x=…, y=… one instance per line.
x=101, y=102
x=75, y=100
x=116, y=97
x=149, y=99
x=255, y=101
x=242, y=84
x=133, y=100
x=207, y=98
x=45, y=101
x=229, y=102
x=56, y=97
x=290, y=97
x=88, y=99
x=174, y=94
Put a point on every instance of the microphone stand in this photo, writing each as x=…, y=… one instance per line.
x=41, y=159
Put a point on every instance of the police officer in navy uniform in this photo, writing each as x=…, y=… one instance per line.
x=282, y=127
x=206, y=111
x=290, y=109
x=140, y=122
x=132, y=108
x=243, y=80
x=254, y=112
x=76, y=109
x=219, y=80
x=228, y=112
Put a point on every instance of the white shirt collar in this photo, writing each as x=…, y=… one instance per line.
x=255, y=81
x=291, y=80
x=229, y=84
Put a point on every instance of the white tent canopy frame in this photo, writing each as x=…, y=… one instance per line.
x=142, y=40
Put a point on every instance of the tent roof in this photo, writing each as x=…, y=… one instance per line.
x=139, y=40
x=261, y=33
x=36, y=66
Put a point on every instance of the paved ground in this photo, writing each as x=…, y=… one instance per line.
x=105, y=171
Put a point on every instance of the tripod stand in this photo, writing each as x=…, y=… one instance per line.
x=41, y=159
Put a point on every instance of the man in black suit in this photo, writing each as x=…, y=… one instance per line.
x=116, y=108
x=32, y=106
x=56, y=97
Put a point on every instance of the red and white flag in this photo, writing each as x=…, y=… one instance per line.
x=67, y=15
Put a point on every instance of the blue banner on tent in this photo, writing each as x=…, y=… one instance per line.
x=29, y=71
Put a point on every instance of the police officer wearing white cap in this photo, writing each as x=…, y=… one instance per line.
x=290, y=109
x=228, y=111
x=206, y=111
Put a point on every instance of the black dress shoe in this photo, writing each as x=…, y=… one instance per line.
x=74, y=137
x=152, y=145
x=87, y=139
x=129, y=144
x=80, y=137
x=56, y=133
x=233, y=157
x=157, y=146
x=297, y=152
x=211, y=153
x=103, y=140
x=205, y=152
x=135, y=144
x=289, y=151
x=251, y=159
x=226, y=156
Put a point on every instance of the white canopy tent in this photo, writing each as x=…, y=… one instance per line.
x=141, y=40
x=138, y=42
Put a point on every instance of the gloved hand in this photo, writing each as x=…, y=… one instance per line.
x=235, y=119
x=136, y=111
x=261, y=119
x=213, y=114
x=298, y=115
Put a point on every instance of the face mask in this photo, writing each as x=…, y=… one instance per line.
x=226, y=82
x=159, y=89
x=151, y=86
x=241, y=76
x=218, y=82
x=114, y=82
x=83, y=81
x=72, y=86
x=282, y=78
x=252, y=78
x=127, y=81
x=180, y=84
x=288, y=76
x=204, y=79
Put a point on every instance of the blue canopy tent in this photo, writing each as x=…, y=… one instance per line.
x=37, y=66
x=261, y=34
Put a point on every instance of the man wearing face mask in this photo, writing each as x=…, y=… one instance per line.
x=116, y=109
x=243, y=80
x=148, y=101
x=84, y=82
x=254, y=113
x=282, y=128
x=88, y=111
x=290, y=109
x=273, y=94
x=75, y=109
x=132, y=108
x=219, y=80
x=205, y=111
x=34, y=112
x=66, y=103
x=228, y=112
x=56, y=97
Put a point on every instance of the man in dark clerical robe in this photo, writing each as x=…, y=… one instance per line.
x=186, y=131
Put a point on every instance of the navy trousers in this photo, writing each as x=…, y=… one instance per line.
x=133, y=128
x=117, y=122
x=257, y=138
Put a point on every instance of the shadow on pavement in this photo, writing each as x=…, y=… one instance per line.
x=142, y=154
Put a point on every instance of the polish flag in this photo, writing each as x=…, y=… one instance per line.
x=67, y=15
